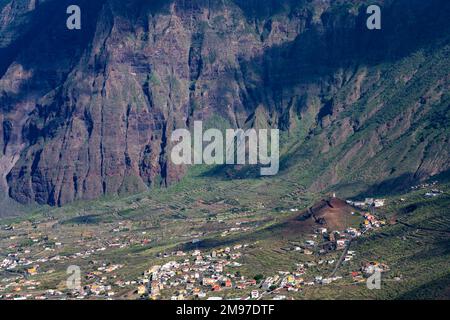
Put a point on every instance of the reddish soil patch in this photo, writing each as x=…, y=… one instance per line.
x=333, y=214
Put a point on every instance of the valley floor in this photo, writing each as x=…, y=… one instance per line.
x=216, y=241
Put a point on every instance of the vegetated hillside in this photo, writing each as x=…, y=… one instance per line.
x=87, y=113
x=415, y=246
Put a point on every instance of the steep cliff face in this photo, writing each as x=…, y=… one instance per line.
x=90, y=112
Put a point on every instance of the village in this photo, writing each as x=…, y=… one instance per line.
x=214, y=274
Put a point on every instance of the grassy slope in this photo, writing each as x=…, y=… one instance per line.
x=395, y=153
x=419, y=257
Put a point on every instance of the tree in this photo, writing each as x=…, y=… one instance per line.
x=258, y=277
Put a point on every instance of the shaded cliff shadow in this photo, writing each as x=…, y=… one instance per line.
x=313, y=55
x=262, y=9
x=400, y=184
x=389, y=187
x=276, y=231
x=49, y=50
x=47, y=22
x=432, y=290
x=344, y=43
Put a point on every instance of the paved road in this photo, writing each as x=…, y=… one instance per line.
x=341, y=259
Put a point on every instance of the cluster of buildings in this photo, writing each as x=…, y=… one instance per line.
x=372, y=222
x=368, y=202
x=324, y=241
x=433, y=193
x=16, y=287
x=195, y=275
x=179, y=275
x=372, y=267
x=32, y=255
x=235, y=230
x=425, y=185
x=431, y=187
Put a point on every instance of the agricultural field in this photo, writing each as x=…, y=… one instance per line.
x=260, y=241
